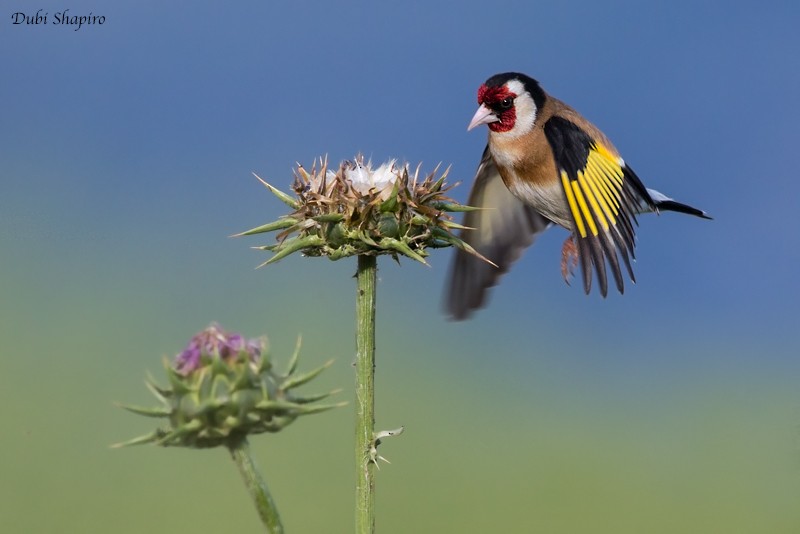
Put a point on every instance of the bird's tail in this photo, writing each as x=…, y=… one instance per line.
x=664, y=203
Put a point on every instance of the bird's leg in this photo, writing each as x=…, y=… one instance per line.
x=569, y=258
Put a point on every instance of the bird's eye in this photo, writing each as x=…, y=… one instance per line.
x=506, y=103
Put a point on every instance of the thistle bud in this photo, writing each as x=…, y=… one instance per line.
x=223, y=388
x=358, y=210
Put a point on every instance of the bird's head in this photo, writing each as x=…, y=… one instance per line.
x=509, y=103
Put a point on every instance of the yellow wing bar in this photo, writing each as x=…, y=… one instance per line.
x=594, y=195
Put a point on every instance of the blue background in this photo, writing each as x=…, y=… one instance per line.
x=126, y=152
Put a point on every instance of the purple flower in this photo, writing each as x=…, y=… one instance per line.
x=214, y=342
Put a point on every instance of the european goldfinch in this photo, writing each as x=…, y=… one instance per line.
x=545, y=164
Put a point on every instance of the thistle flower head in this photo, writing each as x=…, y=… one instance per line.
x=214, y=342
x=222, y=388
x=358, y=210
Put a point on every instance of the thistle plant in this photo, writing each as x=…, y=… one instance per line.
x=222, y=389
x=360, y=211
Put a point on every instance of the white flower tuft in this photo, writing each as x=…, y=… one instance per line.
x=364, y=179
x=385, y=175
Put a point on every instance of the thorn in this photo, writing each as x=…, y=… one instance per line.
x=376, y=440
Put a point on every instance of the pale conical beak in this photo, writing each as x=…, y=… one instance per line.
x=484, y=115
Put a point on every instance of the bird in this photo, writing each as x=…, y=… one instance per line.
x=546, y=165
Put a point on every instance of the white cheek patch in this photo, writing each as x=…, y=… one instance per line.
x=525, y=109
x=516, y=87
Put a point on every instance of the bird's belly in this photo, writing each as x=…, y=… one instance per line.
x=547, y=199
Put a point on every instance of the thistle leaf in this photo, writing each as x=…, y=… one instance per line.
x=420, y=220
x=452, y=207
x=391, y=203
x=176, y=380
x=329, y=217
x=295, y=409
x=402, y=248
x=286, y=199
x=280, y=224
x=307, y=410
x=141, y=440
x=149, y=412
x=288, y=247
x=314, y=398
x=463, y=245
x=455, y=226
x=295, y=357
x=293, y=382
x=179, y=432
x=159, y=392
x=274, y=406
x=437, y=185
x=268, y=247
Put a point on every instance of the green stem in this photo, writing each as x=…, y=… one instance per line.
x=256, y=486
x=365, y=393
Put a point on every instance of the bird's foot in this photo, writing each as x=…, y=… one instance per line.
x=569, y=258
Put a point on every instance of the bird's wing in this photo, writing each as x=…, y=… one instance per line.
x=500, y=230
x=604, y=195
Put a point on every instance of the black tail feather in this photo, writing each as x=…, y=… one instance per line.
x=671, y=205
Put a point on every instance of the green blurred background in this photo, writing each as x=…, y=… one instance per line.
x=125, y=159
